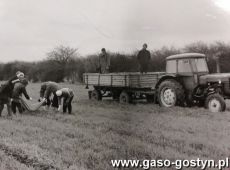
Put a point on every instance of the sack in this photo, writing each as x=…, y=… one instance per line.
x=32, y=107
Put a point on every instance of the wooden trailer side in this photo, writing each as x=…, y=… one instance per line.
x=114, y=80
x=145, y=80
x=132, y=80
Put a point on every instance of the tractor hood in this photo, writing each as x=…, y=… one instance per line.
x=216, y=77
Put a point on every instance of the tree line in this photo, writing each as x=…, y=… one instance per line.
x=64, y=63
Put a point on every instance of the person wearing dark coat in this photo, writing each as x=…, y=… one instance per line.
x=8, y=87
x=143, y=58
x=6, y=90
x=67, y=95
x=46, y=90
x=19, y=89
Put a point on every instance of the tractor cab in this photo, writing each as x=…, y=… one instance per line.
x=187, y=64
x=188, y=67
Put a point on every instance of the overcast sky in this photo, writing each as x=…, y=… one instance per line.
x=31, y=28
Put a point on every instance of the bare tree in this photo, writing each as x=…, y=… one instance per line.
x=62, y=54
x=65, y=59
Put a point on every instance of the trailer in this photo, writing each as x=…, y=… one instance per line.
x=125, y=87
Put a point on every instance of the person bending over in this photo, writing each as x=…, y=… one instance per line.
x=67, y=95
x=48, y=88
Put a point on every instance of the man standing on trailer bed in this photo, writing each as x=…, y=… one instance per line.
x=104, y=61
x=143, y=58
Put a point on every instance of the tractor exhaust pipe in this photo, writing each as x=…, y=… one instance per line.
x=217, y=59
x=218, y=65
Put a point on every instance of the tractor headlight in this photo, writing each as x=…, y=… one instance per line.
x=219, y=81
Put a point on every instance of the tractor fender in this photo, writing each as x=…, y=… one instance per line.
x=165, y=77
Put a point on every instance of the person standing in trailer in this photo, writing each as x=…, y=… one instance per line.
x=143, y=58
x=104, y=61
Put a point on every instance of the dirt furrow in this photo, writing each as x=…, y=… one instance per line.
x=24, y=159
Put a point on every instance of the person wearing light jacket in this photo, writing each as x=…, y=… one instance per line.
x=104, y=61
x=67, y=95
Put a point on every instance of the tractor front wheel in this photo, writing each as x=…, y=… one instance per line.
x=215, y=103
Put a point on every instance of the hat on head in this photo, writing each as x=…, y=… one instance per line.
x=59, y=93
x=145, y=45
x=19, y=74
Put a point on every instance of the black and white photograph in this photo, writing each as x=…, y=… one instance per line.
x=114, y=84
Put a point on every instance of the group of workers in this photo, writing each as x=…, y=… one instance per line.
x=11, y=95
x=143, y=59
x=52, y=88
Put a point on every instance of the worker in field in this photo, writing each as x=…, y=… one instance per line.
x=143, y=58
x=46, y=90
x=67, y=95
x=6, y=90
x=19, y=89
x=104, y=61
x=9, y=85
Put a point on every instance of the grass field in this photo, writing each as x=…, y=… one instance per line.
x=100, y=131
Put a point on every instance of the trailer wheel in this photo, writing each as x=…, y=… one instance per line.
x=96, y=95
x=170, y=93
x=215, y=103
x=124, y=97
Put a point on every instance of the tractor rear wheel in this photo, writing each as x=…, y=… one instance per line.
x=215, y=103
x=171, y=93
